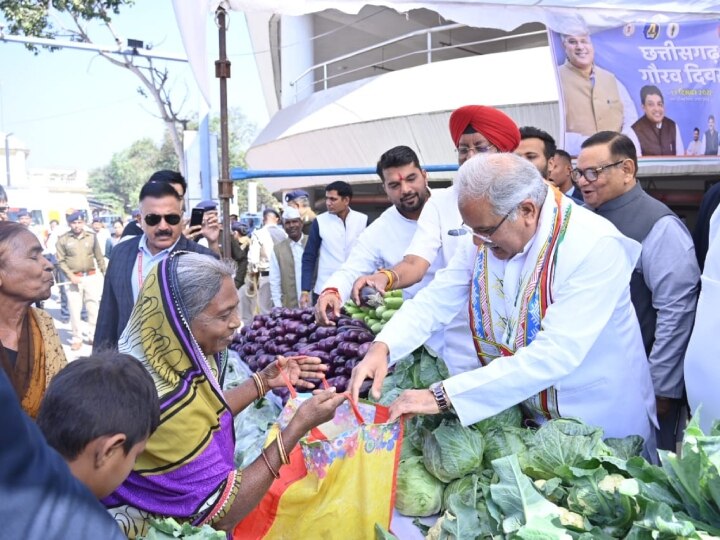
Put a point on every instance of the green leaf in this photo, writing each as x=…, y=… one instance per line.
x=542, y=528
x=516, y=496
x=461, y=518
x=626, y=447
x=563, y=442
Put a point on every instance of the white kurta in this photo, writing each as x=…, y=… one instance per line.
x=433, y=243
x=381, y=245
x=338, y=239
x=702, y=376
x=589, y=349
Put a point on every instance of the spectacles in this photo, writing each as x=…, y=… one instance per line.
x=487, y=233
x=170, y=219
x=478, y=149
x=593, y=173
x=4, y=209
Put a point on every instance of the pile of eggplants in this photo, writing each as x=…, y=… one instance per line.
x=293, y=332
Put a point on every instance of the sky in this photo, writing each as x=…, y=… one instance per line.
x=73, y=109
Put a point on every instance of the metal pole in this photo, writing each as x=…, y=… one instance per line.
x=225, y=187
x=7, y=158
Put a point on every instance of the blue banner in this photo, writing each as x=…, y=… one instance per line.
x=656, y=83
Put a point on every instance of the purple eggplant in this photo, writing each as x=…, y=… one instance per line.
x=256, y=324
x=326, y=331
x=363, y=349
x=312, y=327
x=265, y=360
x=340, y=383
x=307, y=318
x=348, y=348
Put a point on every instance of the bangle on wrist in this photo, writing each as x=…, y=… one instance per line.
x=259, y=385
x=275, y=474
x=281, y=449
x=391, y=279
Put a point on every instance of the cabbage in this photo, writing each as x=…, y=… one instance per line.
x=461, y=485
x=418, y=493
x=511, y=416
x=502, y=441
x=452, y=451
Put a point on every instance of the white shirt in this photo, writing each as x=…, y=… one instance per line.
x=338, y=239
x=381, y=245
x=276, y=274
x=433, y=243
x=144, y=262
x=702, y=376
x=589, y=349
x=261, y=247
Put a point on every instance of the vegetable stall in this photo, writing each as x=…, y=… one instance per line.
x=498, y=479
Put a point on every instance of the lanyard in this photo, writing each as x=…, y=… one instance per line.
x=140, y=272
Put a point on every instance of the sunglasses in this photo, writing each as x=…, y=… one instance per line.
x=170, y=219
x=3, y=209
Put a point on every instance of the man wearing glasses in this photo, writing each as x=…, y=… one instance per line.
x=665, y=282
x=131, y=261
x=475, y=130
x=546, y=283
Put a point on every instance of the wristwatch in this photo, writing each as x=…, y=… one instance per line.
x=441, y=398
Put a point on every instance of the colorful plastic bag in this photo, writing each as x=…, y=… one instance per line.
x=340, y=480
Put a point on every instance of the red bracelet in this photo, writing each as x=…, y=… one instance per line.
x=331, y=290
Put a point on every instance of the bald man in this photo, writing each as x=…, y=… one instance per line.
x=474, y=129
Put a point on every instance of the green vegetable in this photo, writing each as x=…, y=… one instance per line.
x=387, y=314
x=452, y=451
x=418, y=492
x=466, y=483
x=502, y=441
x=511, y=416
x=169, y=529
x=391, y=302
x=381, y=533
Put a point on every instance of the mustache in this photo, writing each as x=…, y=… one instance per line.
x=163, y=233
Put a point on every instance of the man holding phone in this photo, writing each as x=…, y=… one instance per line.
x=132, y=260
x=204, y=226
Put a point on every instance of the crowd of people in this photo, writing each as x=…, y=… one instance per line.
x=563, y=288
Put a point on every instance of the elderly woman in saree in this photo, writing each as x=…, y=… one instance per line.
x=182, y=323
x=30, y=349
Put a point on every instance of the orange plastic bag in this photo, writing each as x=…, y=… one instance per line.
x=340, y=480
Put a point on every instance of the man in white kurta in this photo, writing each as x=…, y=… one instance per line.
x=475, y=130
x=383, y=243
x=702, y=376
x=585, y=360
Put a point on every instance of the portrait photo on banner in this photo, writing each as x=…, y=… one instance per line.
x=656, y=83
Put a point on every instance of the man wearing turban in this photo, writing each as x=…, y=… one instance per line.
x=474, y=129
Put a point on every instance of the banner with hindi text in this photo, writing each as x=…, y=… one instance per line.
x=658, y=84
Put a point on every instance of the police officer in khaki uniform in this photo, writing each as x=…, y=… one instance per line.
x=80, y=257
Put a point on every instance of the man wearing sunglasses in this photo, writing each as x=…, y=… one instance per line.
x=664, y=285
x=131, y=261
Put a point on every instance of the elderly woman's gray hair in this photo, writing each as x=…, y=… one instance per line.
x=199, y=279
x=505, y=180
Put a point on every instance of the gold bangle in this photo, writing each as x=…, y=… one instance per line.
x=389, y=276
x=275, y=474
x=259, y=385
x=281, y=448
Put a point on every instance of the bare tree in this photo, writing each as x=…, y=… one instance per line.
x=75, y=19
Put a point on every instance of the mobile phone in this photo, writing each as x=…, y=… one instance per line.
x=196, y=217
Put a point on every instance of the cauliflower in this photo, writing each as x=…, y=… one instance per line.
x=571, y=519
x=611, y=483
x=434, y=531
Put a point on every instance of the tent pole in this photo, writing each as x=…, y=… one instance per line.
x=225, y=186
